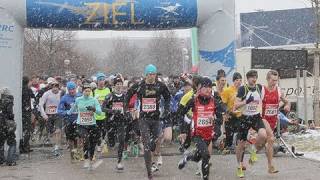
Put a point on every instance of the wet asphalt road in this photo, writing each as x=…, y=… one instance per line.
x=43, y=166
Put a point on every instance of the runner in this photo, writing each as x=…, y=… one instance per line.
x=87, y=106
x=27, y=98
x=272, y=96
x=183, y=102
x=49, y=103
x=43, y=125
x=100, y=94
x=66, y=102
x=149, y=93
x=165, y=134
x=204, y=107
x=133, y=130
x=114, y=108
x=250, y=104
x=228, y=96
x=219, y=124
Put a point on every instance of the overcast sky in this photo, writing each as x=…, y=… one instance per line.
x=241, y=6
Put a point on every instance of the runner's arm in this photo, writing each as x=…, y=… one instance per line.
x=240, y=99
x=182, y=111
x=73, y=108
x=166, y=96
x=106, y=107
x=61, y=108
x=131, y=91
x=42, y=102
x=98, y=107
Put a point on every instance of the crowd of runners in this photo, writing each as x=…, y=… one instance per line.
x=140, y=114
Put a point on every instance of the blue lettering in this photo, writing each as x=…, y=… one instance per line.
x=6, y=28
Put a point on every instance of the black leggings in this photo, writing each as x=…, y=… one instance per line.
x=133, y=132
x=121, y=132
x=231, y=128
x=201, y=153
x=150, y=130
x=101, y=127
x=90, y=139
x=111, y=127
x=188, y=140
x=27, y=130
x=217, y=129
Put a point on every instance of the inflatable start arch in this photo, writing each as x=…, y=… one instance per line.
x=213, y=18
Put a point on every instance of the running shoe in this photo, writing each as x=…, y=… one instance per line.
x=240, y=172
x=97, y=164
x=199, y=166
x=272, y=170
x=253, y=157
x=73, y=153
x=183, y=162
x=159, y=162
x=120, y=167
x=86, y=164
x=154, y=168
x=56, y=151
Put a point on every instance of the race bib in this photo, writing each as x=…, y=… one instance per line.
x=86, y=118
x=149, y=104
x=252, y=108
x=271, y=110
x=52, y=110
x=204, y=120
x=117, y=106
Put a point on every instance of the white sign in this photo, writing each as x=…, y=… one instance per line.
x=11, y=57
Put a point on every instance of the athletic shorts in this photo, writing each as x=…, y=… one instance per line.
x=71, y=131
x=54, y=123
x=246, y=122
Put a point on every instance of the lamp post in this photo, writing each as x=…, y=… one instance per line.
x=185, y=59
x=67, y=63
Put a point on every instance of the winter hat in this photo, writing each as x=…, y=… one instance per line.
x=150, y=69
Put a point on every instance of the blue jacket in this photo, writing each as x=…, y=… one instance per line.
x=66, y=102
x=175, y=100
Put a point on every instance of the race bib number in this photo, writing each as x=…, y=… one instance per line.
x=51, y=109
x=252, y=108
x=86, y=118
x=117, y=106
x=204, y=120
x=149, y=104
x=271, y=110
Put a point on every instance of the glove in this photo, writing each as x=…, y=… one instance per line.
x=250, y=99
x=91, y=108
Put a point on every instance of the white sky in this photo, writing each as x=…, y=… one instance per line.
x=241, y=6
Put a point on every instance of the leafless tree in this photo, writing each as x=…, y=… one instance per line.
x=124, y=58
x=165, y=51
x=45, y=51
